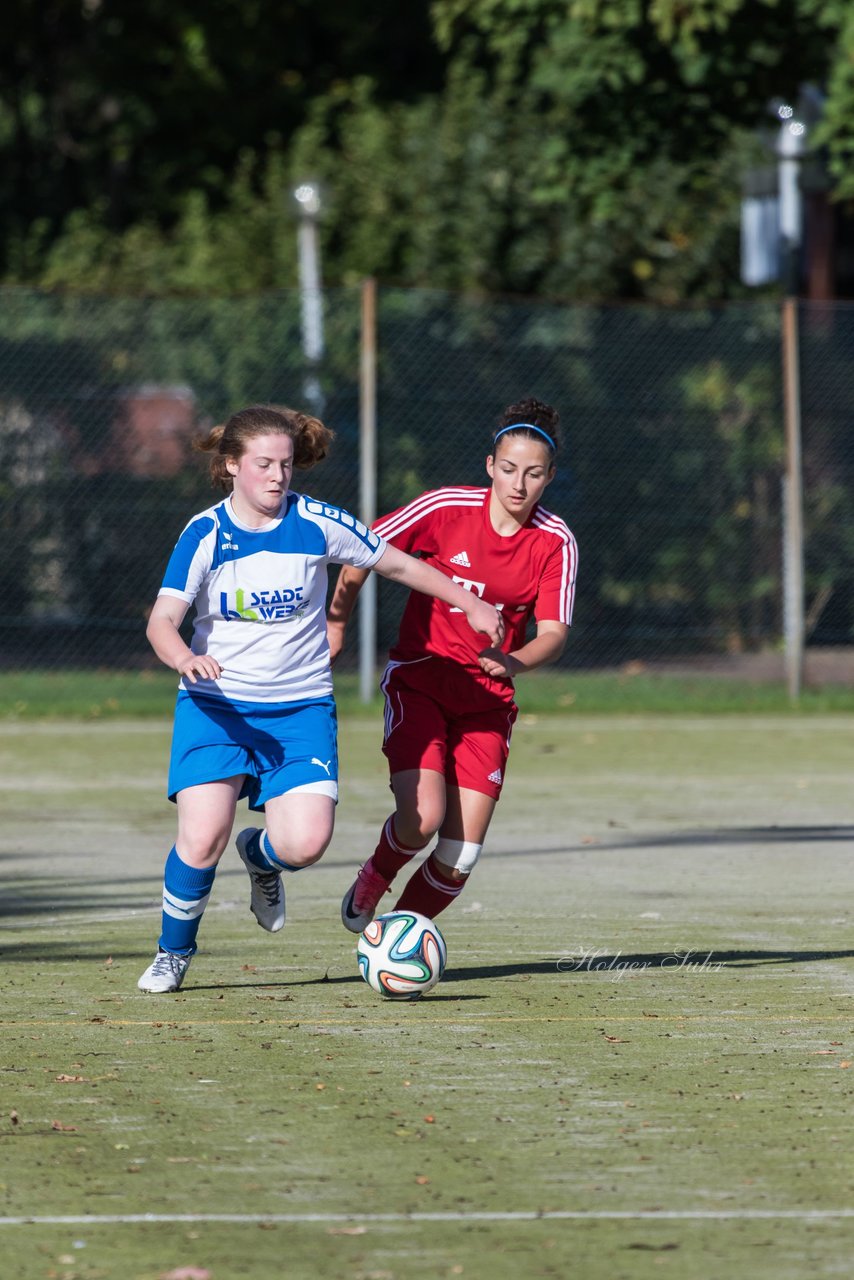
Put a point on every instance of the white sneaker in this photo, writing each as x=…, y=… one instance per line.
x=165, y=973
x=267, y=903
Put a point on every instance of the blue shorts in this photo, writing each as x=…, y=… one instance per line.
x=279, y=748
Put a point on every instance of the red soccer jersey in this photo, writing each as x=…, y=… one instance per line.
x=530, y=573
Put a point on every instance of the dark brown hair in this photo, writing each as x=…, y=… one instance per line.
x=311, y=438
x=532, y=418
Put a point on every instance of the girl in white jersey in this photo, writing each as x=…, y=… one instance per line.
x=450, y=706
x=255, y=715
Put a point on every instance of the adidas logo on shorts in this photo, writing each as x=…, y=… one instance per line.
x=461, y=559
x=495, y=777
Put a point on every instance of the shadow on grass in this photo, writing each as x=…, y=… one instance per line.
x=591, y=962
x=41, y=952
x=46, y=895
x=619, y=838
x=580, y=963
x=39, y=895
x=743, y=835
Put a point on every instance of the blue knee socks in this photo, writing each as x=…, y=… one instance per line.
x=261, y=854
x=185, y=895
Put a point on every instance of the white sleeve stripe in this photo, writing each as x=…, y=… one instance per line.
x=544, y=517
x=432, y=501
x=409, y=515
x=390, y=530
x=569, y=554
x=178, y=595
x=438, y=497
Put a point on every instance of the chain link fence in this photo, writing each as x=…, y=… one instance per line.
x=670, y=475
x=827, y=408
x=99, y=402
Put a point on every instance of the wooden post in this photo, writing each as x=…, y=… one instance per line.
x=793, y=505
x=368, y=483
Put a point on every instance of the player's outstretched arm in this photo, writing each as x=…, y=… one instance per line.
x=347, y=588
x=164, y=638
x=418, y=576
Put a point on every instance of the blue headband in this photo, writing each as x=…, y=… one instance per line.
x=529, y=426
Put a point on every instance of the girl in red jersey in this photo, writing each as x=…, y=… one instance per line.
x=449, y=703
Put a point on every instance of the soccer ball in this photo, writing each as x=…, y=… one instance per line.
x=401, y=955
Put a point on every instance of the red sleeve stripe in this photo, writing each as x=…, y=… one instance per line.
x=395, y=523
x=553, y=524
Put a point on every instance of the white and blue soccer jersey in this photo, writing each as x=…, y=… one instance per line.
x=260, y=595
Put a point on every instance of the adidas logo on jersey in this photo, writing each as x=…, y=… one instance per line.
x=462, y=559
x=495, y=777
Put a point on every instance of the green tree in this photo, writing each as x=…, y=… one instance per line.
x=588, y=149
x=127, y=108
x=637, y=120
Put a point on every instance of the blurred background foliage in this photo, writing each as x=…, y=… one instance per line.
x=582, y=149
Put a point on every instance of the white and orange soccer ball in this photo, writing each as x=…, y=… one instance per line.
x=401, y=955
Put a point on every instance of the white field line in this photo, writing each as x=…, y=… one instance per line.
x=534, y=1215
x=176, y=1022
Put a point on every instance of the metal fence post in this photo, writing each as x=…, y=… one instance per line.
x=793, y=505
x=368, y=483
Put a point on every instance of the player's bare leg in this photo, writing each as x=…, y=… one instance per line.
x=205, y=818
x=443, y=876
x=420, y=809
x=299, y=828
x=421, y=799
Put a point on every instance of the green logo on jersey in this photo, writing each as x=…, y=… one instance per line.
x=274, y=605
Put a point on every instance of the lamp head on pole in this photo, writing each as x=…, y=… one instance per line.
x=307, y=196
x=791, y=139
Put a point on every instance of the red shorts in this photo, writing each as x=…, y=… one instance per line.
x=439, y=716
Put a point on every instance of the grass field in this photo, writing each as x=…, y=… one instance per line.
x=150, y=694
x=640, y=1062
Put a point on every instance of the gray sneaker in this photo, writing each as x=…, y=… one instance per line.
x=267, y=903
x=165, y=973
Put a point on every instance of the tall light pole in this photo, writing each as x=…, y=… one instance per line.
x=791, y=142
x=307, y=196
